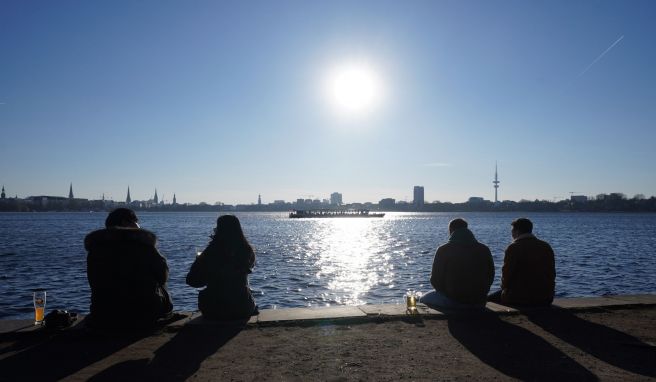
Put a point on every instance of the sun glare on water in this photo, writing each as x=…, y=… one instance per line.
x=354, y=88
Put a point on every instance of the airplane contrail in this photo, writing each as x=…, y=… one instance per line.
x=602, y=55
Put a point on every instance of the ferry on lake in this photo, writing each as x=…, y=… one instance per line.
x=297, y=214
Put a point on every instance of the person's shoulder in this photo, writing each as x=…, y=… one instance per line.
x=98, y=238
x=482, y=247
x=544, y=244
x=444, y=248
x=514, y=246
x=108, y=236
x=533, y=241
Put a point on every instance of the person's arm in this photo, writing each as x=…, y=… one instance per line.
x=160, y=267
x=197, y=276
x=552, y=265
x=438, y=272
x=490, y=267
x=508, y=269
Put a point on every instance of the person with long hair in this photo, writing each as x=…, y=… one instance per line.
x=223, y=268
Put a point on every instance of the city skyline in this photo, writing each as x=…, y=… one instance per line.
x=225, y=101
x=334, y=198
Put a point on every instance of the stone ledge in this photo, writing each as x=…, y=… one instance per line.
x=304, y=316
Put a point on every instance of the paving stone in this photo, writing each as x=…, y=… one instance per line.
x=426, y=311
x=391, y=310
x=586, y=302
x=383, y=309
x=292, y=314
x=7, y=326
x=181, y=318
x=197, y=318
x=641, y=299
x=497, y=308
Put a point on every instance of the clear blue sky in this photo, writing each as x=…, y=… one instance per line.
x=219, y=102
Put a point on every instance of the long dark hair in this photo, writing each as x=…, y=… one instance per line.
x=229, y=237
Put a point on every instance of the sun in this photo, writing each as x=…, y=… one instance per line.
x=354, y=88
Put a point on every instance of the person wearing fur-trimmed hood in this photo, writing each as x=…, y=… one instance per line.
x=126, y=273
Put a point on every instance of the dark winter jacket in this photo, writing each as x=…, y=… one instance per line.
x=127, y=276
x=463, y=269
x=227, y=295
x=529, y=272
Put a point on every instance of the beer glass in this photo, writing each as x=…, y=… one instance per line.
x=39, y=298
x=411, y=301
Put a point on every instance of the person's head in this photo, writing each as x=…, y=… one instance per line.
x=122, y=217
x=228, y=229
x=521, y=226
x=457, y=224
x=229, y=235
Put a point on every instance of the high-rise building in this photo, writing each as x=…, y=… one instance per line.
x=336, y=199
x=128, y=200
x=496, y=184
x=418, y=193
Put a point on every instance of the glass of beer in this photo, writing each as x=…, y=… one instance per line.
x=411, y=301
x=39, y=298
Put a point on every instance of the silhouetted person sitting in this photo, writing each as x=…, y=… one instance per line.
x=126, y=273
x=463, y=271
x=529, y=272
x=223, y=268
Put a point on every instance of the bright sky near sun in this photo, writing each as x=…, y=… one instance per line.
x=218, y=101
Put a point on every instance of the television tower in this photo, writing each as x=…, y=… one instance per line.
x=496, y=184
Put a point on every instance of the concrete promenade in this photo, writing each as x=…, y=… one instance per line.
x=600, y=338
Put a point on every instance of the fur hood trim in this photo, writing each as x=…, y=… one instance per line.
x=106, y=236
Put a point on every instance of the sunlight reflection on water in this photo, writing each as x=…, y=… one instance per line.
x=349, y=257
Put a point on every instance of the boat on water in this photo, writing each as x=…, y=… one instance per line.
x=298, y=214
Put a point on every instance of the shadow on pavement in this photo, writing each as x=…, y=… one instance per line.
x=513, y=350
x=609, y=345
x=179, y=358
x=46, y=356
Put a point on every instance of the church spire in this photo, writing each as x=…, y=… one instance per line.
x=70, y=192
x=128, y=200
x=2, y=195
x=174, y=200
x=155, y=199
x=496, y=183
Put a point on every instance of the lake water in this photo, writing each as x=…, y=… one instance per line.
x=325, y=262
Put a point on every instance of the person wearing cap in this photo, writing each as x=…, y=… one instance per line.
x=462, y=271
x=528, y=276
x=127, y=274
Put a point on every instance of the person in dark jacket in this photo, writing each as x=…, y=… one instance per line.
x=223, y=268
x=463, y=271
x=528, y=276
x=126, y=273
